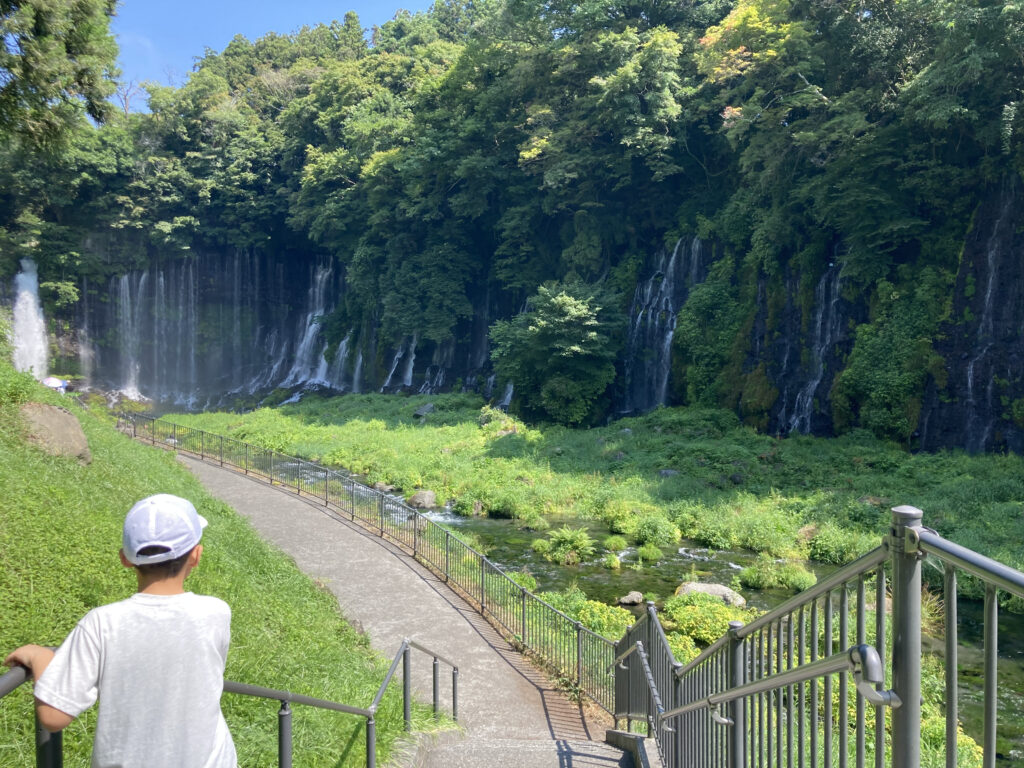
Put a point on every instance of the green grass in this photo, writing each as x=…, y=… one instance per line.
x=59, y=536
x=718, y=482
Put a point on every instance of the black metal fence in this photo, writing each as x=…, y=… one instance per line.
x=577, y=655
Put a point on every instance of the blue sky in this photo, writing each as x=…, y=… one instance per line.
x=160, y=38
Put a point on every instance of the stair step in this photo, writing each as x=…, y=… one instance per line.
x=525, y=753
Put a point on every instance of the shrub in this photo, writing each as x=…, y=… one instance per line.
x=568, y=546
x=767, y=573
x=524, y=579
x=650, y=553
x=615, y=543
x=682, y=647
x=541, y=546
x=655, y=529
x=607, y=620
x=611, y=561
x=832, y=544
x=704, y=618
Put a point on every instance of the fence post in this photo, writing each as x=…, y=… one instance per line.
x=380, y=512
x=579, y=659
x=202, y=444
x=407, y=687
x=371, y=743
x=271, y=468
x=415, y=534
x=737, y=676
x=437, y=689
x=447, y=543
x=906, y=638
x=525, y=645
x=49, y=747
x=483, y=587
x=284, y=736
x=222, y=450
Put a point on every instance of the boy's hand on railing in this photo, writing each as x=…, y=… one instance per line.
x=35, y=658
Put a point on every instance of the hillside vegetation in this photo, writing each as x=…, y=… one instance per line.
x=60, y=529
x=676, y=471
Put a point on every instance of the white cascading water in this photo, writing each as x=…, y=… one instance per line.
x=977, y=433
x=129, y=323
x=310, y=366
x=656, y=304
x=29, y=327
x=399, y=354
x=826, y=331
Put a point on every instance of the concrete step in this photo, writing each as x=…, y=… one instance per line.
x=524, y=753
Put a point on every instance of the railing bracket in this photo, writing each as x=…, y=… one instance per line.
x=718, y=717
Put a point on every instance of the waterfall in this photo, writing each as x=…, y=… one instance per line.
x=979, y=411
x=310, y=366
x=656, y=304
x=506, y=398
x=31, y=345
x=336, y=375
x=399, y=354
x=129, y=326
x=357, y=374
x=409, y=362
x=824, y=334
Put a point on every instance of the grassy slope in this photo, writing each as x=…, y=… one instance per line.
x=59, y=534
x=733, y=487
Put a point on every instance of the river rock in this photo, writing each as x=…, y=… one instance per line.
x=423, y=410
x=56, y=431
x=422, y=500
x=728, y=596
x=633, y=598
x=383, y=487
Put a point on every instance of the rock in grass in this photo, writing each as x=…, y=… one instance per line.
x=422, y=500
x=56, y=431
x=423, y=410
x=728, y=596
x=633, y=598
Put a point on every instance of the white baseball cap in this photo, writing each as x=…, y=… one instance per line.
x=164, y=521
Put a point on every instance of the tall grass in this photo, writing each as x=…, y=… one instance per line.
x=59, y=535
x=720, y=483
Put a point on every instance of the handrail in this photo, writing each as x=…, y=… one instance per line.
x=985, y=568
x=861, y=660
x=862, y=564
x=49, y=746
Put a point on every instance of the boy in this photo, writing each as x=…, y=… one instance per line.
x=155, y=661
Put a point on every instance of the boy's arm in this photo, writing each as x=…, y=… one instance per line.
x=36, y=659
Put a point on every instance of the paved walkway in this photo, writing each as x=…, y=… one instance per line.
x=513, y=715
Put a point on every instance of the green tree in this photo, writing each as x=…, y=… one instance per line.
x=560, y=353
x=57, y=57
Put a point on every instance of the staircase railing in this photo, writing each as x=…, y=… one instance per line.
x=580, y=657
x=776, y=691
x=49, y=746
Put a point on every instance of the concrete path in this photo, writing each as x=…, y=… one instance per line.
x=512, y=714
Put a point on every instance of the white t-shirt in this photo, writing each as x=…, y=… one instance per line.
x=156, y=662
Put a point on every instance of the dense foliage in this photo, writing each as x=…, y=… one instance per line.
x=486, y=148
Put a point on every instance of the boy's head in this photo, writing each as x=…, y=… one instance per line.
x=160, y=531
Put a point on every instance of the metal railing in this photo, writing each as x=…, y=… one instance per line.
x=49, y=746
x=772, y=692
x=776, y=692
x=580, y=657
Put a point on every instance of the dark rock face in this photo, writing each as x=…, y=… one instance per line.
x=983, y=346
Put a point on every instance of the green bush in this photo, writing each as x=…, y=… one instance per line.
x=655, y=529
x=704, y=618
x=611, y=561
x=832, y=544
x=568, y=546
x=767, y=573
x=610, y=621
x=682, y=647
x=649, y=553
x=615, y=543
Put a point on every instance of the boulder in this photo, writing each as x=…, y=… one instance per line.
x=633, y=598
x=728, y=596
x=383, y=487
x=56, y=431
x=423, y=410
x=422, y=500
